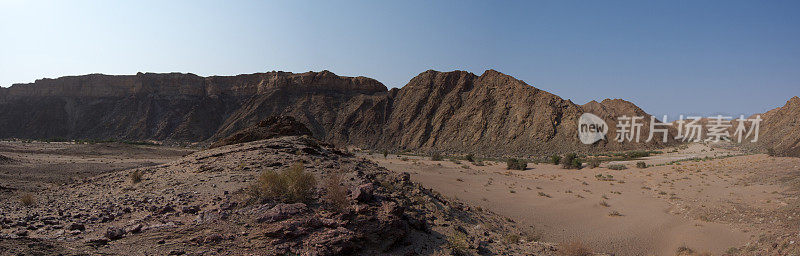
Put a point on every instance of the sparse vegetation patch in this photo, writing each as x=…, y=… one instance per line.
x=516, y=164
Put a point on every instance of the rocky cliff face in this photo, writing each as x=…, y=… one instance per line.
x=493, y=114
x=178, y=107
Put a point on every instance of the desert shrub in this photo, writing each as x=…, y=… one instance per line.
x=136, y=176
x=532, y=237
x=511, y=238
x=516, y=164
x=555, y=159
x=637, y=154
x=770, y=151
x=684, y=250
x=292, y=185
x=574, y=249
x=301, y=183
x=470, y=158
x=732, y=251
x=336, y=193
x=27, y=200
x=593, y=162
x=385, y=153
x=641, y=165
x=571, y=161
x=436, y=156
x=617, y=167
x=458, y=244
x=577, y=163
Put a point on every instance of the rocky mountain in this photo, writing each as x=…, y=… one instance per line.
x=458, y=112
x=494, y=114
x=780, y=129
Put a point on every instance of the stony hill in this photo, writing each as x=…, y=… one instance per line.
x=492, y=113
x=780, y=130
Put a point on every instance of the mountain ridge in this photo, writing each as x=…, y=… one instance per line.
x=455, y=111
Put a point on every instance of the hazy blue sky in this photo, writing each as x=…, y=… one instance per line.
x=668, y=57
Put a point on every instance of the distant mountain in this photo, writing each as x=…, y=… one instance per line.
x=458, y=112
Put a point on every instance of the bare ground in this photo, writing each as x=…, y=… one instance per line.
x=722, y=204
x=199, y=205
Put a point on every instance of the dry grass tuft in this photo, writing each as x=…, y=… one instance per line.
x=291, y=185
x=27, y=200
x=336, y=193
x=136, y=176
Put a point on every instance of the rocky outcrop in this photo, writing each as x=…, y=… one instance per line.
x=271, y=127
x=458, y=112
x=494, y=114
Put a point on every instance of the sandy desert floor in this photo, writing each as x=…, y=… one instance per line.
x=745, y=204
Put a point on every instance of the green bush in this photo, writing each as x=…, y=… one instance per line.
x=292, y=185
x=641, y=165
x=385, y=153
x=516, y=164
x=436, y=156
x=555, y=159
x=571, y=161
